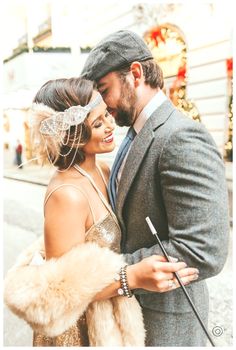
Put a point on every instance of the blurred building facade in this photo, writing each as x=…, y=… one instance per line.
x=192, y=42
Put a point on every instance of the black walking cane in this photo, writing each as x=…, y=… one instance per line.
x=154, y=232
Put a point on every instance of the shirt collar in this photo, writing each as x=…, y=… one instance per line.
x=147, y=111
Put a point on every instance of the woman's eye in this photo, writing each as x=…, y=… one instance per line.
x=97, y=125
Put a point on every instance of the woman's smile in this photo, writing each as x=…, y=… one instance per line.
x=108, y=139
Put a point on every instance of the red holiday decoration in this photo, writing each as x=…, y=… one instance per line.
x=181, y=75
x=157, y=36
x=180, y=78
x=229, y=64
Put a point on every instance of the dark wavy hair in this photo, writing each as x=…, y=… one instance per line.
x=60, y=94
x=152, y=73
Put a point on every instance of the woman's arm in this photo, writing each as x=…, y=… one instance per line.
x=66, y=214
x=153, y=274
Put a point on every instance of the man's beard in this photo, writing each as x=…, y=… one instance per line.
x=126, y=106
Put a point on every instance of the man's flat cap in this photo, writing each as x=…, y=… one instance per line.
x=115, y=51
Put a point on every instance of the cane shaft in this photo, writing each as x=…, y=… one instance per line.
x=154, y=232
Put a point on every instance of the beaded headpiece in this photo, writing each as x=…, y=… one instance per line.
x=62, y=121
x=55, y=126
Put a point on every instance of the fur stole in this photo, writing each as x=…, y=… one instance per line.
x=52, y=296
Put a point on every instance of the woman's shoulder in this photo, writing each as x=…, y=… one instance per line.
x=65, y=189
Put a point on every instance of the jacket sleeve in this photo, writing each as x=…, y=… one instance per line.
x=196, y=200
x=50, y=297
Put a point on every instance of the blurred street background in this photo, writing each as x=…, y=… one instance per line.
x=48, y=39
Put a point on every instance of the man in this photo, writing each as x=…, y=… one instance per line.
x=172, y=173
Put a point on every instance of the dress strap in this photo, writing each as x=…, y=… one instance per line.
x=103, y=199
x=79, y=189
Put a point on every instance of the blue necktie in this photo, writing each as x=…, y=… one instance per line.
x=117, y=163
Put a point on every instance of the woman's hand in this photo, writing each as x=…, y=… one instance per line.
x=156, y=274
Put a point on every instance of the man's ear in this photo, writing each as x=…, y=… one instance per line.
x=136, y=70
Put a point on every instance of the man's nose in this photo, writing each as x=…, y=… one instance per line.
x=110, y=123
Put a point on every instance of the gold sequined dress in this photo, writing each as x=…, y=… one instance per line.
x=106, y=232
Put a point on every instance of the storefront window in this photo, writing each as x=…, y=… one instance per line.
x=169, y=49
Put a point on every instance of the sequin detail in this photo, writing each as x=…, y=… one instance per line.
x=106, y=234
x=77, y=335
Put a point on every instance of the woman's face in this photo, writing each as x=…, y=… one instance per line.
x=102, y=125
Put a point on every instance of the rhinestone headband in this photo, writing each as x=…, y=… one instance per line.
x=73, y=116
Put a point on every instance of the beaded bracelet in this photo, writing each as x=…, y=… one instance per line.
x=124, y=290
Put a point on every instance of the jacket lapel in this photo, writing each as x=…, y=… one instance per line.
x=138, y=150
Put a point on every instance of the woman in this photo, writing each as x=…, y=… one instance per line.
x=77, y=295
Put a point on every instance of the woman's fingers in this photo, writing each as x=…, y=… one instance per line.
x=171, y=284
x=163, y=276
x=186, y=280
x=174, y=284
x=167, y=281
x=188, y=271
x=162, y=258
x=158, y=258
x=168, y=266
